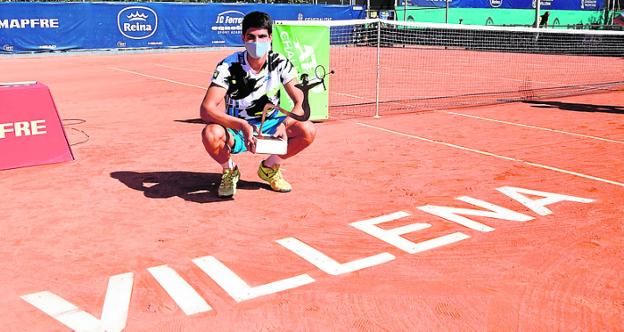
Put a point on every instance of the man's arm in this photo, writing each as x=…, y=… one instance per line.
x=210, y=111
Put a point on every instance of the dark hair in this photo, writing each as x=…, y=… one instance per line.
x=258, y=20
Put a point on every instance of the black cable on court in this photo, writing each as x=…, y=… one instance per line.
x=68, y=123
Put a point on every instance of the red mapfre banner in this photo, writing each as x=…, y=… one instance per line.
x=31, y=132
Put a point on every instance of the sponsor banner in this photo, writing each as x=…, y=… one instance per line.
x=36, y=28
x=510, y=4
x=31, y=132
x=28, y=27
x=137, y=22
x=307, y=47
x=498, y=16
x=619, y=20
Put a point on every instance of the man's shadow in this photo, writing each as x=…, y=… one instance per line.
x=190, y=186
x=576, y=107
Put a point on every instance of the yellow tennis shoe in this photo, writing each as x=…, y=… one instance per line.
x=274, y=177
x=229, y=179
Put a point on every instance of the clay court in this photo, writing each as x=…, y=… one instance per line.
x=132, y=235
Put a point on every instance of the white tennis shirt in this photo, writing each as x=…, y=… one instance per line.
x=245, y=87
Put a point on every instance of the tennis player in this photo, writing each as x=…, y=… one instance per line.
x=233, y=104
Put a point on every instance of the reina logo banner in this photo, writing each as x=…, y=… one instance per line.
x=137, y=22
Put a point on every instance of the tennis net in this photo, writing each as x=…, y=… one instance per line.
x=382, y=67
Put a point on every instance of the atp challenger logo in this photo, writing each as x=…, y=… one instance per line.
x=137, y=22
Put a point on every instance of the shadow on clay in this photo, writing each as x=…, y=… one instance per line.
x=190, y=186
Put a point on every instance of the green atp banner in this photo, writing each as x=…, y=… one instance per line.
x=307, y=47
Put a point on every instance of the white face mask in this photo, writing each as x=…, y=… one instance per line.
x=258, y=49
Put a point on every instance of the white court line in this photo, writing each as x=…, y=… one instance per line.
x=203, y=87
x=352, y=96
x=358, y=97
x=495, y=155
x=184, y=69
x=513, y=123
x=491, y=78
x=158, y=78
x=551, y=65
x=368, y=99
x=532, y=127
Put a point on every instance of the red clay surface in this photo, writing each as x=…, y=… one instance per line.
x=141, y=194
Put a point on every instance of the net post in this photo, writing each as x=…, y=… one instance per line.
x=537, y=13
x=405, y=10
x=378, y=81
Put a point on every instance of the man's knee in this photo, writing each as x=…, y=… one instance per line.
x=303, y=130
x=213, y=135
x=309, y=131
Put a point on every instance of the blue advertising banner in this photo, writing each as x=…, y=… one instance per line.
x=28, y=27
x=511, y=4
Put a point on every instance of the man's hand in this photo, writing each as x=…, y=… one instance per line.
x=280, y=132
x=250, y=140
